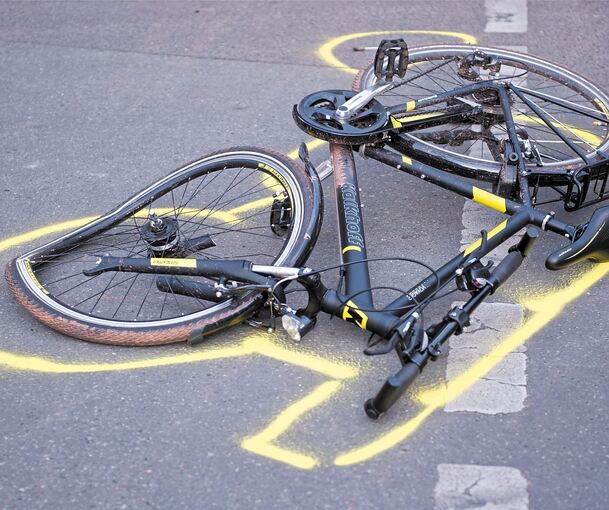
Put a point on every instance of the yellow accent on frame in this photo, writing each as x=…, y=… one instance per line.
x=410, y=105
x=414, y=118
x=489, y=200
x=407, y=160
x=352, y=307
x=351, y=248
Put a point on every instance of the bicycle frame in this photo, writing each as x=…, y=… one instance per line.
x=244, y=287
x=356, y=304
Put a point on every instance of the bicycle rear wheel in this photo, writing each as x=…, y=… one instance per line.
x=476, y=143
x=241, y=203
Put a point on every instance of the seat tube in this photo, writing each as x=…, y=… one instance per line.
x=350, y=224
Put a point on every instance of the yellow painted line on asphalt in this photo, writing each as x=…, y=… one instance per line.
x=329, y=368
x=40, y=364
x=586, y=136
x=545, y=308
x=262, y=443
x=326, y=51
x=311, y=145
x=252, y=344
x=32, y=235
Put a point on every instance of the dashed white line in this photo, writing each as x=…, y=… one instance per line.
x=506, y=16
x=466, y=486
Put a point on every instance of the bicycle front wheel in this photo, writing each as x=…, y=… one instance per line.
x=476, y=142
x=241, y=203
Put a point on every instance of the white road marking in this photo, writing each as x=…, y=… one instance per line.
x=506, y=16
x=465, y=486
x=503, y=390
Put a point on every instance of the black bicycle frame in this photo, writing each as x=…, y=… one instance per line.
x=356, y=304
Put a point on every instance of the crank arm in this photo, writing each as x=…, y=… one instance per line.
x=361, y=99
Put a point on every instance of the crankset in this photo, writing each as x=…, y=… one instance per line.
x=319, y=115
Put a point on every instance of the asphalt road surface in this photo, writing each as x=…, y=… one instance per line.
x=98, y=99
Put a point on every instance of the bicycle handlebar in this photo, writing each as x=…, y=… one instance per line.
x=592, y=244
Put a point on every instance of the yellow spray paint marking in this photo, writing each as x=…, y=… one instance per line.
x=326, y=51
x=253, y=205
x=262, y=443
x=252, y=344
x=44, y=231
x=187, y=211
x=546, y=310
x=311, y=145
x=587, y=136
x=41, y=364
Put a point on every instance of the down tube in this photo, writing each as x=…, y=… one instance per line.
x=351, y=225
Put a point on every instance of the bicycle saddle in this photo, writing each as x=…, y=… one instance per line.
x=592, y=244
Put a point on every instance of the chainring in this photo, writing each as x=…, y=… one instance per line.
x=316, y=115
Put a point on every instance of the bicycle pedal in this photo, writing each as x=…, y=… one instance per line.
x=391, y=59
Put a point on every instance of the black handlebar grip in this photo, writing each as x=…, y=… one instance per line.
x=506, y=268
x=392, y=390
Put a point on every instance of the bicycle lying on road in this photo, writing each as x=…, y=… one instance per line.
x=221, y=238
